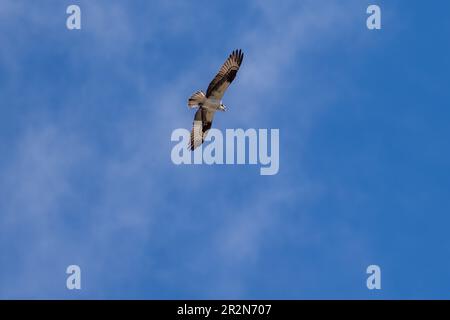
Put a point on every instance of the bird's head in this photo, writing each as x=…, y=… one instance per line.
x=222, y=107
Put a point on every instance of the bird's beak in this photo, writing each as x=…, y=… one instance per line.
x=224, y=108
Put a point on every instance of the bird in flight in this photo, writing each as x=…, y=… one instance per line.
x=210, y=102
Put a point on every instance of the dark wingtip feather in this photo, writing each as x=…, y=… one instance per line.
x=238, y=55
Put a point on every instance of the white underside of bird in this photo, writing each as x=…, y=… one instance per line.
x=211, y=104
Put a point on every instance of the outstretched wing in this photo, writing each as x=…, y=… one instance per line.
x=226, y=75
x=202, y=123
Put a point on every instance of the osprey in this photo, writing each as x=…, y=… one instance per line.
x=210, y=102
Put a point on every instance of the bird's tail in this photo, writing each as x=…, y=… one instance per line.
x=197, y=99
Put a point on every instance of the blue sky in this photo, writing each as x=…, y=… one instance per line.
x=87, y=179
